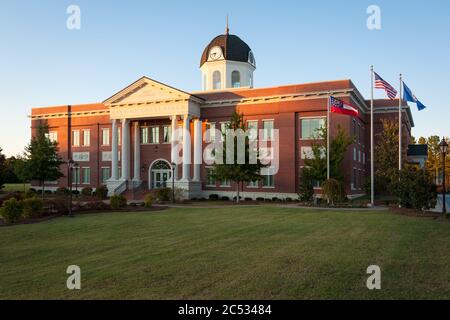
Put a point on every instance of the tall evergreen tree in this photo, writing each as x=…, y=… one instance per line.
x=42, y=160
x=235, y=172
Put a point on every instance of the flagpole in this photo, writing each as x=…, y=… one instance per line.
x=372, y=178
x=328, y=137
x=400, y=125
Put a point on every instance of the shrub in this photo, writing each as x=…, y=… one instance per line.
x=33, y=207
x=260, y=199
x=213, y=196
x=306, y=190
x=12, y=210
x=48, y=192
x=288, y=199
x=248, y=199
x=30, y=193
x=96, y=205
x=59, y=205
x=415, y=188
x=235, y=197
x=275, y=199
x=225, y=198
x=33, y=190
x=62, y=191
x=118, y=201
x=101, y=192
x=163, y=194
x=148, y=201
x=75, y=192
x=87, y=191
x=333, y=190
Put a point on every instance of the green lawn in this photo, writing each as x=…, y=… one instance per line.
x=11, y=187
x=227, y=253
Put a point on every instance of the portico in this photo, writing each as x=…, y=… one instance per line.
x=144, y=100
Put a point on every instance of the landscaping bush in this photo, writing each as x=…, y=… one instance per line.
x=87, y=191
x=306, y=190
x=118, y=201
x=101, y=192
x=48, y=192
x=96, y=204
x=225, y=198
x=235, y=197
x=163, y=194
x=415, y=188
x=62, y=191
x=333, y=190
x=260, y=199
x=59, y=205
x=213, y=196
x=248, y=199
x=33, y=207
x=75, y=192
x=275, y=199
x=148, y=201
x=12, y=210
x=30, y=193
x=288, y=199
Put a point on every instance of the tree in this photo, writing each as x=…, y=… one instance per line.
x=315, y=166
x=21, y=171
x=237, y=172
x=9, y=173
x=42, y=159
x=386, y=155
x=2, y=168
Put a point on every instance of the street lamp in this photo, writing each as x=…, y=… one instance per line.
x=444, y=147
x=173, y=182
x=71, y=164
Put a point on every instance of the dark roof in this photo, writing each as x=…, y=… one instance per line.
x=233, y=48
x=418, y=150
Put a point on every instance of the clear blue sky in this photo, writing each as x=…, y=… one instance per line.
x=42, y=63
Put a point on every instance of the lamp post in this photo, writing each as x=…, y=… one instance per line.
x=71, y=164
x=444, y=147
x=173, y=182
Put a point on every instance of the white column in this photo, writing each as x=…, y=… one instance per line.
x=125, y=149
x=137, y=152
x=186, y=148
x=173, y=135
x=198, y=139
x=115, y=152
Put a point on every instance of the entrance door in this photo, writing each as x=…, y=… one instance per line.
x=160, y=173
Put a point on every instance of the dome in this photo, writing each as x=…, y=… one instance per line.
x=233, y=49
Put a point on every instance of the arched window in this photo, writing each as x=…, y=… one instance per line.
x=235, y=79
x=217, y=81
x=250, y=79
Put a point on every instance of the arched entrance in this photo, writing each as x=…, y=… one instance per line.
x=159, y=173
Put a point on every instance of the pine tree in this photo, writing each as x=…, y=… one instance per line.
x=235, y=172
x=42, y=160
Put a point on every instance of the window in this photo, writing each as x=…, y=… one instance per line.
x=76, y=138
x=105, y=137
x=52, y=136
x=154, y=138
x=167, y=134
x=268, y=130
x=205, y=85
x=144, y=135
x=225, y=183
x=354, y=184
x=86, y=175
x=250, y=79
x=76, y=176
x=217, y=81
x=106, y=174
x=86, y=138
x=360, y=179
x=354, y=133
x=252, y=127
x=210, y=132
x=210, y=181
x=359, y=155
x=235, y=79
x=354, y=154
x=311, y=127
x=268, y=181
x=364, y=158
x=253, y=184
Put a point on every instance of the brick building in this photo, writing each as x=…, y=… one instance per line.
x=125, y=141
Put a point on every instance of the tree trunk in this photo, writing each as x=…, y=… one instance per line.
x=237, y=198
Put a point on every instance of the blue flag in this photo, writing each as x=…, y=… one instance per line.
x=409, y=96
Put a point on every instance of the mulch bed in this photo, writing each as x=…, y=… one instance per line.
x=51, y=217
x=415, y=213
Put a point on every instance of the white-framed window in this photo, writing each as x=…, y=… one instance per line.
x=105, y=137
x=253, y=184
x=354, y=154
x=269, y=181
x=252, y=127
x=354, y=179
x=210, y=132
x=52, y=136
x=217, y=80
x=106, y=174
x=210, y=180
x=236, y=79
x=154, y=135
x=225, y=183
x=268, y=127
x=167, y=131
x=311, y=127
x=76, y=176
x=76, y=138
x=364, y=158
x=85, y=175
x=86, y=138
x=205, y=84
x=359, y=155
x=145, y=137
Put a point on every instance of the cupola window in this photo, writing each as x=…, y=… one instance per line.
x=235, y=79
x=217, y=81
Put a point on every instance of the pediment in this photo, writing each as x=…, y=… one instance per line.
x=146, y=90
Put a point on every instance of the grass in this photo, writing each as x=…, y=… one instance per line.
x=12, y=187
x=228, y=253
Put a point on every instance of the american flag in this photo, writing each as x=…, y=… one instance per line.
x=381, y=84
